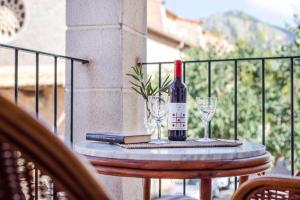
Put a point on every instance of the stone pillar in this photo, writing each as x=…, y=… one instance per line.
x=112, y=35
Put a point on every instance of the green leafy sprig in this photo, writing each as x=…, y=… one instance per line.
x=145, y=88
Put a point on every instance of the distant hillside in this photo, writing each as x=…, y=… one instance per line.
x=237, y=25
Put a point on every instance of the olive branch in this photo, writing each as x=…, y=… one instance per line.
x=145, y=88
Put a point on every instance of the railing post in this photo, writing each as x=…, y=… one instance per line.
x=235, y=108
x=263, y=103
x=159, y=86
x=55, y=96
x=71, y=103
x=184, y=80
x=16, y=89
x=235, y=99
x=209, y=93
x=292, y=116
x=37, y=98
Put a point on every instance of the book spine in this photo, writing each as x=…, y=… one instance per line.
x=105, y=138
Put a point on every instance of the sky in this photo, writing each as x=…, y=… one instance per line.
x=276, y=12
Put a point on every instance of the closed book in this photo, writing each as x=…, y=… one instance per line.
x=125, y=138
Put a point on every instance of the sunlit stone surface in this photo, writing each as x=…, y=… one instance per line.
x=98, y=149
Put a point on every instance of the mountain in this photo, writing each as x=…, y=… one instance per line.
x=238, y=25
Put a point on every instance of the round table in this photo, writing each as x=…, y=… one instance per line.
x=177, y=163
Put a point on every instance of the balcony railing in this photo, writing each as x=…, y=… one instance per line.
x=234, y=62
x=56, y=57
x=160, y=66
x=16, y=51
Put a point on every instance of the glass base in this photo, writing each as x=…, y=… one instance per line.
x=157, y=141
x=206, y=140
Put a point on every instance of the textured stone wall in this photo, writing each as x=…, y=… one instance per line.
x=112, y=35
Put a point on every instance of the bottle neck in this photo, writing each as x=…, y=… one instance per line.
x=178, y=70
x=178, y=79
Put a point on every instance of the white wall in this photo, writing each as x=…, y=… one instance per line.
x=157, y=51
x=44, y=30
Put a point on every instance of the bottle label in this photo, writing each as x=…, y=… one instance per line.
x=177, y=119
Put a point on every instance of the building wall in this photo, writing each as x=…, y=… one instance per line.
x=26, y=100
x=44, y=30
x=157, y=51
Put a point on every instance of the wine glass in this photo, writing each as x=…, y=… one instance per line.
x=158, y=106
x=206, y=107
x=149, y=122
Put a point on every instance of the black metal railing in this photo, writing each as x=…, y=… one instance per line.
x=235, y=63
x=160, y=65
x=16, y=51
x=55, y=57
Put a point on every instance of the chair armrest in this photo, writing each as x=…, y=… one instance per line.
x=268, y=185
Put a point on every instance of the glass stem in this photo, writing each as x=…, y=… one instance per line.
x=159, y=130
x=205, y=130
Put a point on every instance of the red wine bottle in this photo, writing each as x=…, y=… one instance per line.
x=177, y=119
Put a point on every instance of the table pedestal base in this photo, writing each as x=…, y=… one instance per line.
x=205, y=189
x=147, y=188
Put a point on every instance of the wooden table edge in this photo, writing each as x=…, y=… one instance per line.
x=180, y=165
x=181, y=174
x=203, y=169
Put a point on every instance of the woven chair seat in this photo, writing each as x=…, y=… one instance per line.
x=35, y=164
x=269, y=188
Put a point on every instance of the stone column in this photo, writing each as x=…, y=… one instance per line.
x=112, y=35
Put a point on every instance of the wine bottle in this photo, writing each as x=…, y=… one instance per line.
x=177, y=119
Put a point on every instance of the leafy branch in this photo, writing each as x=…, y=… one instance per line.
x=145, y=88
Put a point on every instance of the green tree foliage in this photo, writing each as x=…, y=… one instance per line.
x=295, y=47
x=249, y=77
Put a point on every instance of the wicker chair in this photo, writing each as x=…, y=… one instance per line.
x=269, y=188
x=30, y=154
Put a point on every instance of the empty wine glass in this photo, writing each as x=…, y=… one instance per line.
x=206, y=107
x=158, y=106
x=149, y=122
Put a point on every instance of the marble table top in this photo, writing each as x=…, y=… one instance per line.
x=246, y=150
